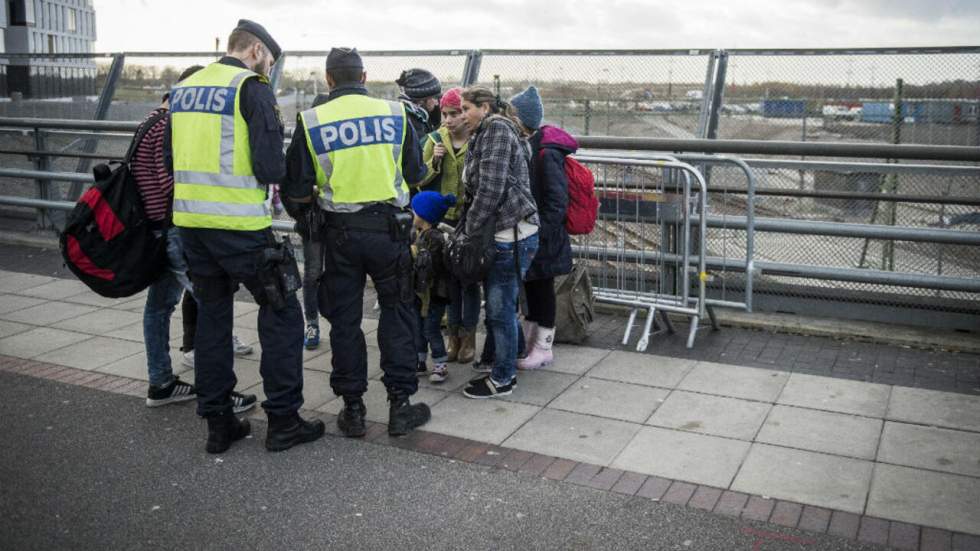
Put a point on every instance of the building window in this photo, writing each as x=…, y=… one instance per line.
x=21, y=13
x=72, y=27
x=50, y=43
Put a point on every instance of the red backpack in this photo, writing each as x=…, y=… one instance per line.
x=583, y=205
x=108, y=242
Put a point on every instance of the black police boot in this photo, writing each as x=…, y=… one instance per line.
x=225, y=429
x=286, y=431
x=404, y=417
x=351, y=418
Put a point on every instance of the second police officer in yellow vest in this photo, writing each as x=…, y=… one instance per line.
x=352, y=157
x=227, y=147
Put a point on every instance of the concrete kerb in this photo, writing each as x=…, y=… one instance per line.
x=859, y=331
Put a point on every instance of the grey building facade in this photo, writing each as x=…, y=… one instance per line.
x=47, y=27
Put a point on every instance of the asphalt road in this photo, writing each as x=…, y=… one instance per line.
x=84, y=469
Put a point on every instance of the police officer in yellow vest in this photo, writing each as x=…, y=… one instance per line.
x=226, y=141
x=358, y=155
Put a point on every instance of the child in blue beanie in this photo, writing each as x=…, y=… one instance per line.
x=432, y=274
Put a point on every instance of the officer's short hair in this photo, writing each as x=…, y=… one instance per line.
x=346, y=75
x=240, y=40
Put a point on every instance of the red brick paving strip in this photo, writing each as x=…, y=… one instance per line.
x=98, y=382
x=731, y=503
x=814, y=519
x=491, y=457
x=965, y=542
x=432, y=443
x=844, y=525
x=374, y=431
x=452, y=446
x=654, y=487
x=606, y=479
x=934, y=539
x=559, y=469
x=705, y=498
x=514, y=460
x=786, y=514
x=758, y=509
x=471, y=451
x=679, y=493
x=537, y=464
x=903, y=536
x=582, y=474
x=873, y=530
x=629, y=483
x=118, y=382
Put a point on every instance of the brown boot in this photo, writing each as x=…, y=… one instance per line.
x=452, y=344
x=467, y=346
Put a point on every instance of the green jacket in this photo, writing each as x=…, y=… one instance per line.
x=450, y=172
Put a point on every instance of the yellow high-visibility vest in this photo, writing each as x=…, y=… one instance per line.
x=214, y=186
x=356, y=142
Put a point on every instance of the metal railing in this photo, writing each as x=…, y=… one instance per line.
x=802, y=245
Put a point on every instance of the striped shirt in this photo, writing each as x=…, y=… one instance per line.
x=155, y=184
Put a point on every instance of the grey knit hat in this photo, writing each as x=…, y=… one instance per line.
x=419, y=84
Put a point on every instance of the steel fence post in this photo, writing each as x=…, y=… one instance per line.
x=717, y=95
x=709, y=78
x=43, y=185
x=588, y=115
x=471, y=69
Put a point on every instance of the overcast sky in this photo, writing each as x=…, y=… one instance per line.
x=186, y=25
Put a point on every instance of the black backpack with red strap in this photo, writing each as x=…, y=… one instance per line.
x=108, y=241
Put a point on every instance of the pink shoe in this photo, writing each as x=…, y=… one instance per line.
x=540, y=354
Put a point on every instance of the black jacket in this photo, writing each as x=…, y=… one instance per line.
x=265, y=131
x=301, y=175
x=549, y=185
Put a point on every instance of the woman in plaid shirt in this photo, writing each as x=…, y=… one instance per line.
x=498, y=192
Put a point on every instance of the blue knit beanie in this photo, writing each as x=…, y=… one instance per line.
x=431, y=206
x=529, y=107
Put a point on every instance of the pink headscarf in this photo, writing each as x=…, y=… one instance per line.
x=452, y=99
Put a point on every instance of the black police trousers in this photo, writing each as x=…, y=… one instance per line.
x=218, y=261
x=350, y=255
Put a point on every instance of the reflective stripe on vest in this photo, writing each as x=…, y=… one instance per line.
x=354, y=132
x=214, y=186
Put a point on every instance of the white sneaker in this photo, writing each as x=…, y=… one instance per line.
x=439, y=373
x=188, y=359
x=241, y=349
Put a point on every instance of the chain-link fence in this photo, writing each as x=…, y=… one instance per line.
x=613, y=93
x=843, y=95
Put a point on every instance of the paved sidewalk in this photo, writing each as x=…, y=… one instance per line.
x=886, y=452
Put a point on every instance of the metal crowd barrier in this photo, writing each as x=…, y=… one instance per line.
x=643, y=206
x=747, y=264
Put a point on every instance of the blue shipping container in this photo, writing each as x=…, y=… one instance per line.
x=783, y=108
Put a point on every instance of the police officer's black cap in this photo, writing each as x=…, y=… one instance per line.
x=260, y=33
x=344, y=58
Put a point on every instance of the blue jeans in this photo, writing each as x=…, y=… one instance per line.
x=161, y=299
x=464, y=306
x=433, y=331
x=502, y=292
